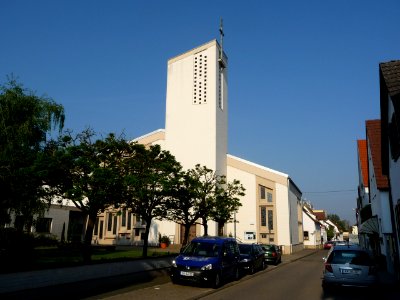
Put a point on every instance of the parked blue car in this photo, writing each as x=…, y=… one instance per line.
x=209, y=260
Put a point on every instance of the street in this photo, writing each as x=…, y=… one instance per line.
x=300, y=279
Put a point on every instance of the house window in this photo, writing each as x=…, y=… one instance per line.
x=109, y=222
x=137, y=231
x=269, y=197
x=43, y=225
x=115, y=225
x=263, y=216
x=96, y=227
x=129, y=225
x=262, y=192
x=123, y=221
x=263, y=235
x=306, y=237
x=270, y=220
x=394, y=138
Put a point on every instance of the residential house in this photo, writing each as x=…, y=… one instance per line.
x=389, y=77
x=363, y=202
x=312, y=229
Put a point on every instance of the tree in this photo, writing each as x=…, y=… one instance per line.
x=25, y=121
x=185, y=207
x=93, y=176
x=151, y=174
x=206, y=192
x=343, y=225
x=226, y=203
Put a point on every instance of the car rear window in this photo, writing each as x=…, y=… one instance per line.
x=350, y=257
x=245, y=249
x=268, y=247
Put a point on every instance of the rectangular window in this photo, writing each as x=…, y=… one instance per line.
x=270, y=220
x=263, y=235
x=137, y=231
x=109, y=222
x=43, y=225
x=96, y=227
x=123, y=221
x=115, y=225
x=269, y=197
x=262, y=192
x=263, y=216
x=306, y=237
x=101, y=229
x=129, y=221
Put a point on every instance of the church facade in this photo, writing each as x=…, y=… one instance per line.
x=196, y=132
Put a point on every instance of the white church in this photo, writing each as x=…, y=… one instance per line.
x=196, y=130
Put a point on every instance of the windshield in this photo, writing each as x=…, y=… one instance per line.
x=202, y=249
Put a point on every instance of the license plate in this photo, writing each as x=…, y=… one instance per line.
x=183, y=273
x=350, y=271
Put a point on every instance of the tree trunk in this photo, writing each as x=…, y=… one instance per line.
x=186, y=234
x=205, y=225
x=221, y=228
x=87, y=243
x=146, y=238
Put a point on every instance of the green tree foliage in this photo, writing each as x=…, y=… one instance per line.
x=343, y=225
x=151, y=175
x=184, y=209
x=227, y=202
x=91, y=173
x=206, y=191
x=25, y=120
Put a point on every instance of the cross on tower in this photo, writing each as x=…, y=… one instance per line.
x=221, y=52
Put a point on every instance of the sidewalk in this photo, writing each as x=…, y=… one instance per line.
x=50, y=277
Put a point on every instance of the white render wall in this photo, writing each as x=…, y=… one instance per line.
x=196, y=133
x=247, y=214
x=394, y=167
x=283, y=215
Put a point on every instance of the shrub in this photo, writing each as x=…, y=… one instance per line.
x=165, y=239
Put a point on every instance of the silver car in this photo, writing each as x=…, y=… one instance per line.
x=348, y=265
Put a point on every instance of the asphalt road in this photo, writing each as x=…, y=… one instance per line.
x=299, y=279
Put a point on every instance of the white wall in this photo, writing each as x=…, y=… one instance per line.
x=196, y=133
x=247, y=215
x=283, y=215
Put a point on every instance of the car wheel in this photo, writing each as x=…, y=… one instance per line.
x=217, y=281
x=326, y=288
x=174, y=280
x=237, y=274
x=251, y=269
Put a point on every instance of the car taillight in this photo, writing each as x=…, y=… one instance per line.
x=273, y=254
x=328, y=268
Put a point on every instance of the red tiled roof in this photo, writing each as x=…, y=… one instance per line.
x=391, y=73
x=374, y=142
x=320, y=214
x=363, y=160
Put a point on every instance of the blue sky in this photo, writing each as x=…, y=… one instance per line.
x=303, y=75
